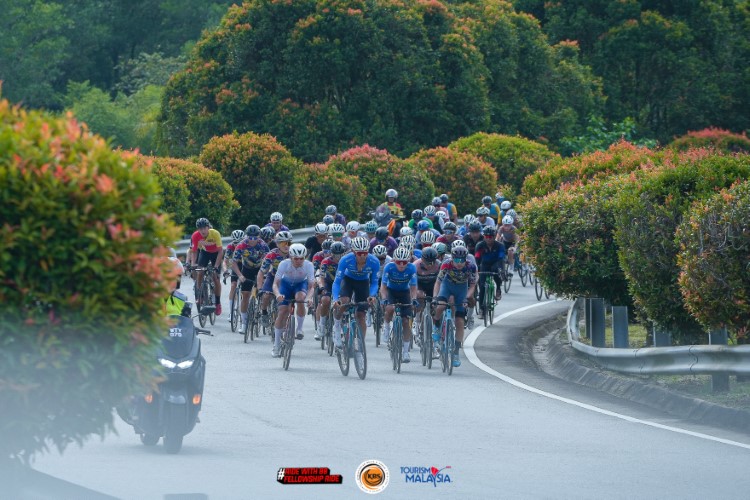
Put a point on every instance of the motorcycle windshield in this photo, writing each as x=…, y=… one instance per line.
x=179, y=341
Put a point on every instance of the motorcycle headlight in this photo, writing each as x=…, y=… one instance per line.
x=167, y=363
x=185, y=364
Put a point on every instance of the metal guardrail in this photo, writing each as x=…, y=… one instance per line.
x=680, y=360
x=300, y=235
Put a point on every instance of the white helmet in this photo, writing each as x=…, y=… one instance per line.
x=360, y=244
x=402, y=253
x=512, y=213
x=505, y=205
x=428, y=237
x=238, y=234
x=483, y=211
x=442, y=214
x=406, y=231
x=508, y=219
x=391, y=193
x=380, y=251
x=458, y=243
x=408, y=240
x=298, y=250
x=352, y=225
x=429, y=210
x=336, y=228
x=276, y=217
x=283, y=236
x=468, y=219
x=320, y=228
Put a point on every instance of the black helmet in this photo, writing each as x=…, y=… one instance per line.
x=417, y=214
x=331, y=210
x=202, y=222
x=338, y=248
x=267, y=233
x=326, y=245
x=459, y=252
x=381, y=233
x=429, y=254
x=486, y=200
x=450, y=226
x=475, y=226
x=489, y=231
x=443, y=197
x=252, y=230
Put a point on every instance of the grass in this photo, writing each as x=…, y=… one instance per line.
x=637, y=334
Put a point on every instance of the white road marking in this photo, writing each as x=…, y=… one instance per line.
x=474, y=359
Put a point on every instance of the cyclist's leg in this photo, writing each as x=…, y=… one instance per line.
x=300, y=296
x=496, y=267
x=361, y=293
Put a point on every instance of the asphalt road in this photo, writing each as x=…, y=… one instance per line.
x=504, y=429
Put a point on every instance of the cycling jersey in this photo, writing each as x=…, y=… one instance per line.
x=348, y=267
x=210, y=243
x=383, y=263
x=458, y=276
x=471, y=243
x=495, y=212
x=339, y=219
x=281, y=227
x=328, y=269
x=427, y=274
x=447, y=239
x=488, y=222
x=271, y=262
x=399, y=280
x=290, y=274
x=488, y=255
x=313, y=246
x=390, y=244
x=250, y=257
x=319, y=257
x=508, y=236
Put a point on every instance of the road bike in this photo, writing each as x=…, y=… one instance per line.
x=252, y=323
x=423, y=337
x=205, y=297
x=396, y=340
x=273, y=311
x=377, y=321
x=352, y=342
x=288, y=334
x=234, y=311
x=489, y=296
x=447, y=344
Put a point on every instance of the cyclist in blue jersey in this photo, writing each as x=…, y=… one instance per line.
x=356, y=278
x=399, y=285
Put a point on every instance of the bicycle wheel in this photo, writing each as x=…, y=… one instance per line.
x=234, y=313
x=489, y=299
x=546, y=293
x=538, y=288
x=477, y=304
x=212, y=301
x=343, y=353
x=450, y=345
x=250, y=321
x=329, y=333
x=287, y=343
x=427, y=341
x=508, y=277
x=359, y=353
x=204, y=293
x=397, y=338
x=377, y=322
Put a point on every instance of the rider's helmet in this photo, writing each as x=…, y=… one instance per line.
x=444, y=198
x=402, y=253
x=267, y=233
x=328, y=244
x=417, y=214
x=427, y=238
x=331, y=210
x=252, y=231
x=505, y=205
x=381, y=234
x=408, y=240
x=436, y=201
x=512, y=213
x=508, y=219
x=371, y=226
x=459, y=252
x=336, y=229
x=458, y=243
x=449, y=226
x=429, y=255
x=441, y=248
x=499, y=198
x=475, y=226
x=489, y=231
x=380, y=251
x=202, y=222
x=486, y=200
x=328, y=220
x=360, y=244
x=352, y=225
x=406, y=231
x=276, y=217
x=429, y=211
x=483, y=211
x=391, y=193
x=284, y=236
x=423, y=225
x=337, y=248
x=237, y=235
x=321, y=228
x=297, y=250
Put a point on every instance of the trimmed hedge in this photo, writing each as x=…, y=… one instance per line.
x=714, y=256
x=83, y=274
x=512, y=157
x=647, y=213
x=462, y=176
x=261, y=172
x=320, y=186
x=721, y=140
x=175, y=194
x=379, y=171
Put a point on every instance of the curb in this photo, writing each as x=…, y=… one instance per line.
x=562, y=361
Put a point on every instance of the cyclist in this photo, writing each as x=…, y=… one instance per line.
x=337, y=217
x=450, y=207
x=449, y=233
x=391, y=205
x=464, y=229
x=442, y=250
x=410, y=243
x=490, y=255
x=352, y=230
x=383, y=238
x=357, y=278
x=426, y=240
x=399, y=285
x=268, y=235
x=276, y=222
x=430, y=214
x=328, y=220
x=237, y=236
x=207, y=250
x=325, y=276
x=294, y=277
x=417, y=216
x=483, y=216
x=473, y=236
x=456, y=279
x=248, y=257
x=509, y=211
x=506, y=234
x=494, y=210
x=381, y=252
x=268, y=268
x=428, y=267
x=325, y=251
x=337, y=232
x=471, y=260
x=370, y=227
x=314, y=243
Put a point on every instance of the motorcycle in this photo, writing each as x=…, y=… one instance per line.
x=172, y=410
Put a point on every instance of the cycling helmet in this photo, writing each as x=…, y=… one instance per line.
x=417, y=214
x=331, y=210
x=267, y=233
x=449, y=226
x=505, y=205
x=321, y=228
x=328, y=220
x=380, y=251
x=423, y=225
x=391, y=193
x=489, y=231
x=352, y=225
x=238, y=234
x=443, y=197
x=297, y=250
x=371, y=226
x=328, y=244
x=512, y=213
x=440, y=248
x=276, y=217
x=406, y=231
x=429, y=255
x=468, y=219
x=483, y=211
x=202, y=222
x=475, y=226
x=337, y=248
x=284, y=236
x=459, y=252
x=436, y=201
x=408, y=240
x=442, y=214
x=486, y=199
x=429, y=211
x=402, y=253
x=360, y=244
x=499, y=197
x=252, y=231
x=458, y=243
x=427, y=238
x=381, y=234
x=508, y=219
x=336, y=228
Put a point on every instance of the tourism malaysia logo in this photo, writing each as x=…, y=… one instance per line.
x=427, y=475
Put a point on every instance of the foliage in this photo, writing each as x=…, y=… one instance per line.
x=146, y=69
x=569, y=237
x=83, y=277
x=647, y=213
x=320, y=186
x=462, y=176
x=512, y=157
x=599, y=137
x=621, y=157
x=260, y=170
x=714, y=244
x=721, y=140
x=379, y=171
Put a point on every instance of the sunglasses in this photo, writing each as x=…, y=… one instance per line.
x=449, y=231
x=252, y=238
x=337, y=235
x=298, y=258
x=489, y=236
x=401, y=262
x=360, y=254
x=459, y=260
x=279, y=243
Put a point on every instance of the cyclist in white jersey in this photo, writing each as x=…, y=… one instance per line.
x=294, y=277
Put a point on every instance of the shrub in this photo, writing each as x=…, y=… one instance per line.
x=465, y=178
x=175, y=194
x=513, y=158
x=569, y=237
x=83, y=277
x=319, y=187
x=721, y=140
x=379, y=171
x=714, y=243
x=621, y=157
x=209, y=195
x=260, y=170
x=647, y=213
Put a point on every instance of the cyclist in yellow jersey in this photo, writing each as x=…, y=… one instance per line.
x=206, y=250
